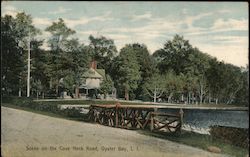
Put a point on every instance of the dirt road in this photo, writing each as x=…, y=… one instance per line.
x=25, y=134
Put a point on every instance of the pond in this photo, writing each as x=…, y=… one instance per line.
x=199, y=120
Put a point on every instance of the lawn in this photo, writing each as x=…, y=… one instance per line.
x=200, y=141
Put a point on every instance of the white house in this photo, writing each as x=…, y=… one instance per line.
x=91, y=79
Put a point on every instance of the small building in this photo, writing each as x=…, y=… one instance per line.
x=91, y=81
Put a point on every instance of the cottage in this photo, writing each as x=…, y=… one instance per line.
x=91, y=81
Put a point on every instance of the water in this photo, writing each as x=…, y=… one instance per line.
x=200, y=120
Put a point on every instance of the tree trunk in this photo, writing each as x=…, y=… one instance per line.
x=126, y=94
x=50, y=83
x=20, y=89
x=169, y=97
x=155, y=96
x=192, y=97
x=201, y=95
x=209, y=98
x=37, y=94
x=188, y=97
x=77, y=92
x=57, y=87
x=216, y=101
x=20, y=92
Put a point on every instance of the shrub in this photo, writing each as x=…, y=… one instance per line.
x=235, y=136
x=43, y=106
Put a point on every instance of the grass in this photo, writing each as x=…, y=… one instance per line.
x=39, y=112
x=200, y=141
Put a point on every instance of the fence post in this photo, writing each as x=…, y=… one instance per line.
x=116, y=115
x=152, y=122
x=181, y=118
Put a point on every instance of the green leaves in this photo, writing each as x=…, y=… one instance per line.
x=106, y=85
x=102, y=50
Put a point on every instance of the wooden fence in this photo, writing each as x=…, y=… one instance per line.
x=135, y=117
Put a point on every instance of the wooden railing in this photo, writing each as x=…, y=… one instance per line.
x=135, y=117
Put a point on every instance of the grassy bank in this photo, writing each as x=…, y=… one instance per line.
x=46, y=113
x=200, y=141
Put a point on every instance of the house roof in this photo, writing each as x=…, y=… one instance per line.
x=92, y=73
x=101, y=72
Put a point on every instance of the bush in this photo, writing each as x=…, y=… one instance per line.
x=235, y=136
x=43, y=106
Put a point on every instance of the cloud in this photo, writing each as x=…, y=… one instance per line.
x=145, y=16
x=184, y=11
x=60, y=10
x=222, y=25
x=230, y=24
x=9, y=10
x=224, y=11
x=242, y=40
x=42, y=21
x=74, y=22
x=85, y=20
x=233, y=53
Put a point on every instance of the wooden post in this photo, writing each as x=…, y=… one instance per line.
x=116, y=116
x=152, y=122
x=181, y=118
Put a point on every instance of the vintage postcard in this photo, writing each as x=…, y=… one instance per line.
x=128, y=79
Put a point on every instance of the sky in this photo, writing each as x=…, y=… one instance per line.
x=217, y=28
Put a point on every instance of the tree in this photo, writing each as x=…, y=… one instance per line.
x=106, y=85
x=173, y=84
x=242, y=96
x=11, y=56
x=155, y=86
x=15, y=33
x=102, y=50
x=75, y=61
x=197, y=66
x=40, y=79
x=60, y=33
x=174, y=55
x=127, y=70
x=147, y=67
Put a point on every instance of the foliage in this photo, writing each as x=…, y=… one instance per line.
x=15, y=33
x=102, y=50
x=107, y=85
x=127, y=70
x=155, y=86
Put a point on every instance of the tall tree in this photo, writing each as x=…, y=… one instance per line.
x=127, y=70
x=59, y=36
x=174, y=55
x=102, y=50
x=76, y=61
x=15, y=33
x=147, y=67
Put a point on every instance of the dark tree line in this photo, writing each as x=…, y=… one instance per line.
x=176, y=73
